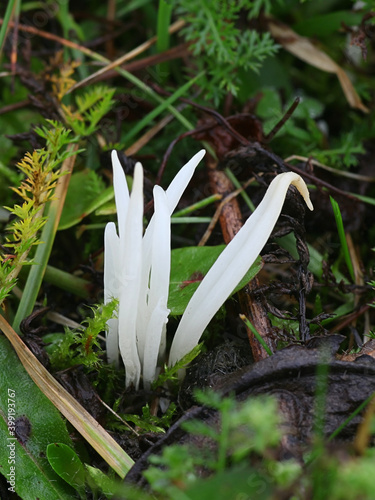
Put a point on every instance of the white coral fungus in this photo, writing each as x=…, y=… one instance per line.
x=137, y=269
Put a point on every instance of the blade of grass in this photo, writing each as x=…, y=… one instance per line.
x=350, y=418
x=14, y=52
x=321, y=395
x=162, y=31
x=130, y=6
x=6, y=26
x=341, y=231
x=70, y=27
x=365, y=199
x=159, y=109
x=190, y=220
x=196, y=206
x=319, y=481
x=257, y=334
x=35, y=278
x=81, y=420
x=236, y=183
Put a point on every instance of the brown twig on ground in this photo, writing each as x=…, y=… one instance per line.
x=284, y=119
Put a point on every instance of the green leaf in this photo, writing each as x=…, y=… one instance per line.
x=38, y=423
x=66, y=463
x=86, y=193
x=342, y=237
x=189, y=266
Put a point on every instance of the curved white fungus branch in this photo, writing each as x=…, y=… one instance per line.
x=232, y=264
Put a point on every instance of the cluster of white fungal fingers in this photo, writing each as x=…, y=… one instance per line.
x=137, y=270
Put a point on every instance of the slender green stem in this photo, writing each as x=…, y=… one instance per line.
x=196, y=206
x=63, y=280
x=361, y=407
x=4, y=28
x=257, y=334
x=365, y=199
x=162, y=43
x=190, y=220
x=143, y=87
x=236, y=183
x=68, y=282
x=341, y=231
x=320, y=486
x=321, y=395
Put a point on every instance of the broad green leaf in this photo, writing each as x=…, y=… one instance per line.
x=66, y=463
x=38, y=424
x=86, y=193
x=189, y=266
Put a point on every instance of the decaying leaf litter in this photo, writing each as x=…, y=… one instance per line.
x=307, y=304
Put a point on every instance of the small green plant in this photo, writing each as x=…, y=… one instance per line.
x=169, y=374
x=41, y=172
x=152, y=423
x=82, y=346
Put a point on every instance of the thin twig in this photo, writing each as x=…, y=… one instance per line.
x=342, y=173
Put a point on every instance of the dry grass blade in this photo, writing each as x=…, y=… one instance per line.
x=85, y=424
